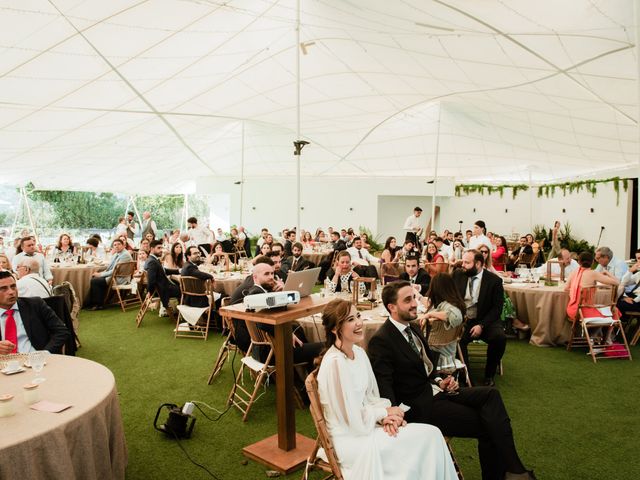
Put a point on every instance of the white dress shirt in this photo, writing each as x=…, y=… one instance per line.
x=33, y=285
x=45, y=271
x=412, y=223
x=199, y=235
x=475, y=242
x=24, y=344
x=362, y=256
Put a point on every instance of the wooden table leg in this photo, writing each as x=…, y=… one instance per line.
x=284, y=387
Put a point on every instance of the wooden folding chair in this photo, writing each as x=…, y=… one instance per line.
x=240, y=248
x=188, y=321
x=229, y=344
x=596, y=316
x=324, y=439
x=453, y=457
x=119, y=283
x=439, y=336
x=636, y=336
x=434, y=268
x=240, y=397
x=389, y=272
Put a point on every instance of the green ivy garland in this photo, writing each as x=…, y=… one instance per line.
x=546, y=190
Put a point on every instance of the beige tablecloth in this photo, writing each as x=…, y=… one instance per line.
x=228, y=284
x=84, y=442
x=544, y=310
x=316, y=258
x=78, y=275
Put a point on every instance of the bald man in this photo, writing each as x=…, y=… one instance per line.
x=30, y=283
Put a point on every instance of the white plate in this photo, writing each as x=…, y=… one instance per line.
x=11, y=372
x=28, y=365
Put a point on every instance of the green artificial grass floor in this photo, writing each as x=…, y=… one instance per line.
x=572, y=419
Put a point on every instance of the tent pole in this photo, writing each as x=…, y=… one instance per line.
x=637, y=15
x=242, y=178
x=15, y=218
x=31, y=222
x=135, y=209
x=127, y=207
x=299, y=152
x=435, y=177
x=530, y=200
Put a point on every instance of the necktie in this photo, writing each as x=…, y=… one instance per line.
x=360, y=254
x=412, y=343
x=10, y=330
x=413, y=280
x=295, y=262
x=472, y=282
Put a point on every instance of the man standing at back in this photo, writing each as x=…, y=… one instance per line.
x=404, y=368
x=199, y=236
x=413, y=227
x=149, y=225
x=484, y=297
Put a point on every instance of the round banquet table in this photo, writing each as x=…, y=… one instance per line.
x=77, y=275
x=316, y=258
x=83, y=442
x=544, y=309
x=228, y=283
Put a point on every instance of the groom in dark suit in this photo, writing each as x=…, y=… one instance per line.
x=404, y=369
x=484, y=297
x=27, y=324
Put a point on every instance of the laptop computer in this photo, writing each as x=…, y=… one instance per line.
x=302, y=281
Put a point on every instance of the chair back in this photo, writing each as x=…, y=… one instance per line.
x=258, y=336
x=439, y=335
x=123, y=272
x=526, y=258
x=324, y=439
x=436, y=267
x=194, y=286
x=58, y=304
x=390, y=268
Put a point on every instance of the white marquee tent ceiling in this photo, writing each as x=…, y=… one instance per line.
x=146, y=95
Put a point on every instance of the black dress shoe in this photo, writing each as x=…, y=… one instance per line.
x=488, y=382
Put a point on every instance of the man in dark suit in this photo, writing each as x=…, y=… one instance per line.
x=157, y=279
x=27, y=324
x=190, y=269
x=416, y=276
x=484, y=296
x=338, y=245
x=296, y=263
x=404, y=370
x=289, y=239
x=518, y=253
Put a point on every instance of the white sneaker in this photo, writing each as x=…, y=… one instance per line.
x=162, y=312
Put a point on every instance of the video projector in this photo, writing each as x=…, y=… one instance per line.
x=261, y=301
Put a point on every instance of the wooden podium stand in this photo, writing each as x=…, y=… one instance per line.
x=286, y=450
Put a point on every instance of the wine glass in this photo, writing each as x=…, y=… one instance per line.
x=36, y=360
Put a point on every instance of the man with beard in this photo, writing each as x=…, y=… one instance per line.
x=484, y=297
x=404, y=368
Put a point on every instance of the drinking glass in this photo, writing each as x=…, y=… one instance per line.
x=36, y=360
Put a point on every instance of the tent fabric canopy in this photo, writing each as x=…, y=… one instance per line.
x=145, y=96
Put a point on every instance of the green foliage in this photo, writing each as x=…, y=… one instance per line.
x=589, y=185
x=481, y=187
x=573, y=244
x=374, y=242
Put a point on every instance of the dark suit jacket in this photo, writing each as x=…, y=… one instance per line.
x=157, y=279
x=400, y=373
x=191, y=270
x=301, y=265
x=423, y=279
x=339, y=245
x=44, y=329
x=490, y=298
x=287, y=248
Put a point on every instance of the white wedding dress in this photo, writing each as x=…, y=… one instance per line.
x=352, y=408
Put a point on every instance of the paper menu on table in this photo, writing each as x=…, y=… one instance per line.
x=47, y=406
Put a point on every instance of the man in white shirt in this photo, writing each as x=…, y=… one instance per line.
x=443, y=249
x=28, y=246
x=30, y=283
x=220, y=236
x=479, y=238
x=200, y=236
x=607, y=262
x=363, y=262
x=565, y=259
x=413, y=226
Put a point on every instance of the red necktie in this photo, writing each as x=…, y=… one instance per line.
x=11, y=331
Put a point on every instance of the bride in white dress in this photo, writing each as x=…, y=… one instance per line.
x=371, y=438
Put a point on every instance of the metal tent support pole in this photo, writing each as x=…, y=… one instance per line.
x=435, y=177
x=298, y=148
x=242, y=178
x=28, y=207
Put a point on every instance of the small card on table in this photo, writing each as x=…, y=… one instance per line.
x=47, y=406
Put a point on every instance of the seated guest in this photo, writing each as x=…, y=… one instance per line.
x=448, y=307
x=629, y=301
x=340, y=278
x=432, y=257
x=363, y=262
x=403, y=366
x=30, y=283
x=607, y=262
x=27, y=324
x=538, y=255
x=190, y=269
x=416, y=276
x=337, y=245
x=408, y=249
x=443, y=249
x=140, y=262
x=365, y=241
x=265, y=249
x=391, y=252
x=217, y=256
x=370, y=435
x=458, y=249
x=91, y=251
x=263, y=235
x=157, y=276
x=100, y=280
x=277, y=247
x=296, y=263
x=220, y=236
x=517, y=255
x=319, y=237
x=5, y=263
x=28, y=249
x=64, y=247
x=570, y=265
x=307, y=241
x=175, y=259
x=499, y=254
x=279, y=273
x=484, y=297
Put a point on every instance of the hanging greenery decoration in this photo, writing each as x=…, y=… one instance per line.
x=548, y=190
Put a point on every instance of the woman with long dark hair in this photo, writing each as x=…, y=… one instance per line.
x=446, y=306
x=391, y=252
x=371, y=438
x=175, y=259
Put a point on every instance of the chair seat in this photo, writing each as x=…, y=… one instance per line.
x=126, y=286
x=191, y=314
x=252, y=363
x=606, y=321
